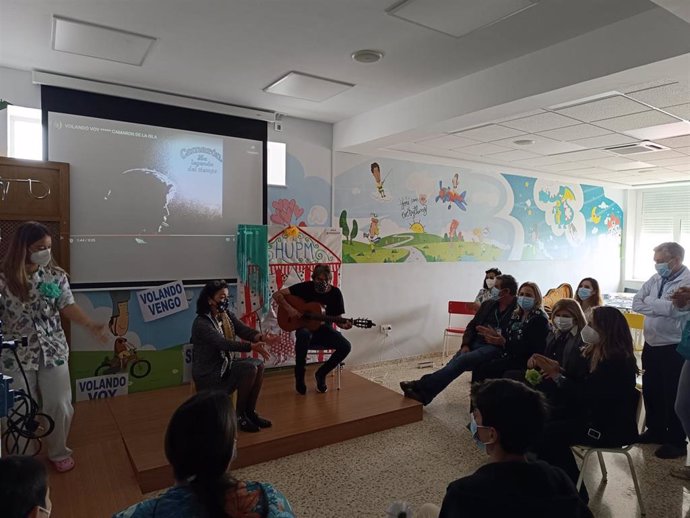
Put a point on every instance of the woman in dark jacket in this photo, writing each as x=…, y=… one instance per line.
x=602, y=406
x=216, y=364
x=527, y=333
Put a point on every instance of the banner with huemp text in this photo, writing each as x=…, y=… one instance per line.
x=162, y=301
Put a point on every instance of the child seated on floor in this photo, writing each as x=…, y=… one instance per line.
x=24, y=489
x=200, y=444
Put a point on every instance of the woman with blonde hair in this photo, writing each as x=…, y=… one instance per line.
x=588, y=294
x=602, y=405
x=527, y=331
x=34, y=294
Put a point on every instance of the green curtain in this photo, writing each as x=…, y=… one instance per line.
x=252, y=249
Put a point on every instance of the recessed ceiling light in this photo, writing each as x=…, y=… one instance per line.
x=523, y=142
x=367, y=56
x=306, y=86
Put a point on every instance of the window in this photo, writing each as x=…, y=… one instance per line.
x=664, y=215
x=276, y=164
x=24, y=133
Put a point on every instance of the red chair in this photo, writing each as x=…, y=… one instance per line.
x=455, y=308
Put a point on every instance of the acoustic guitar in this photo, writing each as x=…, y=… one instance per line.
x=313, y=316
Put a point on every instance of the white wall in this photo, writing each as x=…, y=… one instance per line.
x=17, y=88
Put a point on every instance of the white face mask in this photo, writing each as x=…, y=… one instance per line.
x=590, y=335
x=41, y=258
x=490, y=283
x=563, y=323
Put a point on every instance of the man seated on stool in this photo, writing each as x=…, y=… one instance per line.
x=508, y=418
x=320, y=290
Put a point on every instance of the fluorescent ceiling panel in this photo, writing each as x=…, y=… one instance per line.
x=457, y=18
x=308, y=87
x=662, y=131
x=97, y=41
x=614, y=139
x=607, y=108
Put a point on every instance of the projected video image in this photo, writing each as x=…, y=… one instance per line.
x=143, y=197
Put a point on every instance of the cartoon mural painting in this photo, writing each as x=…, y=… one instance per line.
x=376, y=173
x=449, y=195
x=510, y=217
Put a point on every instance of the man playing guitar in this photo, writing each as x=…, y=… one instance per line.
x=320, y=290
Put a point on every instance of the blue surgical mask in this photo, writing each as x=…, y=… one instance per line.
x=663, y=269
x=495, y=292
x=474, y=430
x=525, y=303
x=584, y=293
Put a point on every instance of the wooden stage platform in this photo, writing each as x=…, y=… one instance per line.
x=118, y=443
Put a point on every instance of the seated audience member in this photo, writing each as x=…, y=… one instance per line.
x=588, y=294
x=200, y=444
x=215, y=364
x=489, y=282
x=563, y=344
x=527, y=331
x=508, y=418
x=602, y=406
x=24, y=489
x=483, y=340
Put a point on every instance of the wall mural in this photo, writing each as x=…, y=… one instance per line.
x=305, y=201
x=399, y=211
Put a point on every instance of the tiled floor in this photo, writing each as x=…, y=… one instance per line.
x=359, y=478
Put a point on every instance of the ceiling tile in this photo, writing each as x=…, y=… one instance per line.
x=543, y=160
x=675, y=142
x=685, y=150
x=568, y=166
x=513, y=155
x=541, y=145
x=649, y=84
x=519, y=116
x=447, y=142
x=668, y=161
x=483, y=149
x=653, y=156
x=663, y=96
x=587, y=154
x=636, y=121
x=607, y=163
x=615, y=139
x=680, y=110
x=631, y=165
x=575, y=132
x=489, y=133
x=685, y=167
x=541, y=122
x=615, y=106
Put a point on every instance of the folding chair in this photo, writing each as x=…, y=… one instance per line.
x=585, y=451
x=636, y=324
x=455, y=308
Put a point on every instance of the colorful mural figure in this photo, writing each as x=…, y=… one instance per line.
x=376, y=173
x=510, y=217
x=449, y=195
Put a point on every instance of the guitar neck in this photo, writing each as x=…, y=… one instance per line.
x=326, y=318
